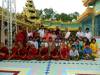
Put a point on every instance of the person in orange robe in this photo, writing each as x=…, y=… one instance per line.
x=4, y=53
x=64, y=51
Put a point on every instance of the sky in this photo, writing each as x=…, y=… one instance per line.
x=59, y=6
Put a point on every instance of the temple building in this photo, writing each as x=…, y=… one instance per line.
x=27, y=19
x=29, y=12
x=91, y=17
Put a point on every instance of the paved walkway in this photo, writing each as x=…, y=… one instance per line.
x=50, y=67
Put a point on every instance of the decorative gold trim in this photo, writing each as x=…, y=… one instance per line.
x=86, y=2
x=86, y=14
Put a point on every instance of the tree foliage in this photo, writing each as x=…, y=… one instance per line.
x=49, y=13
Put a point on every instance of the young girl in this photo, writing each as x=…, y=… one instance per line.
x=64, y=51
x=85, y=40
x=70, y=43
x=94, y=47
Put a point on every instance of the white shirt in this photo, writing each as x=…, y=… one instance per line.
x=67, y=35
x=41, y=32
x=45, y=44
x=31, y=42
x=79, y=34
x=88, y=35
x=35, y=43
x=74, y=53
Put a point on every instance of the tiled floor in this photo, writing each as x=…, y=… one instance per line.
x=51, y=67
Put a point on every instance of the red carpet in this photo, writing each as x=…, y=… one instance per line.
x=14, y=72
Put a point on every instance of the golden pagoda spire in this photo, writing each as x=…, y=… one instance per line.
x=29, y=11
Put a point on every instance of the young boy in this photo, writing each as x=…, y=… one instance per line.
x=3, y=52
x=74, y=55
x=87, y=52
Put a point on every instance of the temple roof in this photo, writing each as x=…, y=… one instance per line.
x=29, y=11
x=87, y=2
x=85, y=14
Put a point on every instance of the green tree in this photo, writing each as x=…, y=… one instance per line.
x=64, y=17
x=48, y=13
x=57, y=16
x=39, y=13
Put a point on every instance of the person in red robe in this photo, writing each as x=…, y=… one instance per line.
x=14, y=51
x=18, y=52
x=54, y=52
x=43, y=52
x=32, y=52
x=25, y=36
x=20, y=37
x=22, y=52
x=4, y=53
x=64, y=51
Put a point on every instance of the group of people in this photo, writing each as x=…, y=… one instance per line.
x=46, y=44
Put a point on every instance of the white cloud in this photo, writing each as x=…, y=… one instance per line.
x=67, y=6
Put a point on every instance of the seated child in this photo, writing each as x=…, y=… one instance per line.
x=64, y=51
x=32, y=52
x=43, y=53
x=4, y=53
x=94, y=47
x=70, y=43
x=14, y=51
x=85, y=40
x=80, y=48
x=74, y=55
x=19, y=52
x=54, y=52
x=87, y=52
